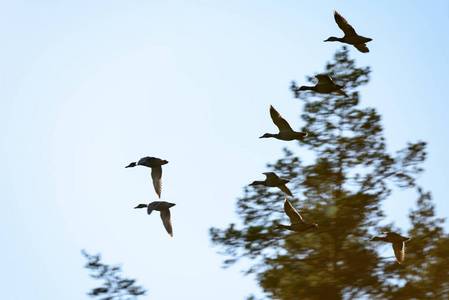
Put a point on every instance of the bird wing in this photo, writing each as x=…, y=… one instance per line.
x=279, y=121
x=156, y=174
x=152, y=206
x=144, y=160
x=271, y=176
x=324, y=79
x=393, y=237
x=285, y=189
x=341, y=92
x=343, y=24
x=399, y=251
x=362, y=47
x=165, y=216
x=291, y=212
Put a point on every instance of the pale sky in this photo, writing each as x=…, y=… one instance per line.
x=87, y=87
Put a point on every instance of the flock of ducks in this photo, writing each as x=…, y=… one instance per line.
x=156, y=174
x=325, y=85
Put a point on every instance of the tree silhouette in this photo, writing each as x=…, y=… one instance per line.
x=341, y=190
x=114, y=286
x=426, y=275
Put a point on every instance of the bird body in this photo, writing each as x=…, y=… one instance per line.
x=156, y=170
x=398, y=242
x=273, y=180
x=325, y=85
x=286, y=133
x=164, y=208
x=297, y=222
x=350, y=37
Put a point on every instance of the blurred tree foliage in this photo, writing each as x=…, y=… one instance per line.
x=342, y=190
x=426, y=274
x=114, y=287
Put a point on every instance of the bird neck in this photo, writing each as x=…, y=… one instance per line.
x=257, y=182
x=334, y=39
x=380, y=238
x=306, y=88
x=282, y=226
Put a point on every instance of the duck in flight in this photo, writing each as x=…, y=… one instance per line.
x=273, y=180
x=350, y=37
x=325, y=85
x=286, y=133
x=297, y=222
x=156, y=170
x=398, y=242
x=164, y=208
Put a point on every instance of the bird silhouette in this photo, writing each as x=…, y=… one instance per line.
x=163, y=207
x=286, y=133
x=325, y=85
x=297, y=222
x=398, y=242
x=350, y=37
x=273, y=180
x=156, y=170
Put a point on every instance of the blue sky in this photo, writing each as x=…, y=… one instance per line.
x=87, y=87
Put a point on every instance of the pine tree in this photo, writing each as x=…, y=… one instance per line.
x=114, y=286
x=342, y=191
x=426, y=273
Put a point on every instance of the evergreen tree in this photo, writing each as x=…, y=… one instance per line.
x=342, y=191
x=426, y=275
x=114, y=287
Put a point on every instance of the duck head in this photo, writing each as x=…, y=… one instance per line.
x=266, y=135
x=133, y=164
x=141, y=206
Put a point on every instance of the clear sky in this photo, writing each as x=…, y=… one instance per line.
x=86, y=87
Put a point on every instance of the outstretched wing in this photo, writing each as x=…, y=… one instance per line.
x=285, y=189
x=165, y=216
x=399, y=252
x=341, y=92
x=393, y=237
x=279, y=121
x=291, y=212
x=362, y=47
x=156, y=174
x=145, y=161
x=153, y=206
x=343, y=24
x=324, y=79
x=271, y=176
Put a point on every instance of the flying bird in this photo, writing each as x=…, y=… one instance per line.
x=325, y=85
x=273, y=180
x=398, y=242
x=297, y=223
x=156, y=170
x=286, y=133
x=163, y=207
x=350, y=37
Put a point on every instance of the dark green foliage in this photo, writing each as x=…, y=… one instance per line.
x=341, y=191
x=426, y=271
x=114, y=286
